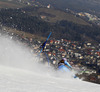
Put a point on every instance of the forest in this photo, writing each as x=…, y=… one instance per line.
x=19, y=19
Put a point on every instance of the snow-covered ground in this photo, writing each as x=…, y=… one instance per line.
x=21, y=71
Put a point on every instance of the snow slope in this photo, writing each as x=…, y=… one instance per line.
x=20, y=71
x=16, y=80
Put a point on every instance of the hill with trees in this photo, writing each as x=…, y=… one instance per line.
x=91, y=6
x=53, y=15
x=22, y=20
x=11, y=4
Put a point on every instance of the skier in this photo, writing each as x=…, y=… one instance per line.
x=43, y=45
x=64, y=65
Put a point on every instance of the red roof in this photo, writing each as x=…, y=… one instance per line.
x=98, y=53
x=51, y=41
x=54, y=54
x=62, y=50
x=49, y=52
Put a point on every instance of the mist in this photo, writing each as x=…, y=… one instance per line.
x=16, y=55
x=22, y=71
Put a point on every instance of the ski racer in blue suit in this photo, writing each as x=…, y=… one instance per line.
x=64, y=65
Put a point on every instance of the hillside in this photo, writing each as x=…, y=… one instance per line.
x=21, y=33
x=92, y=6
x=11, y=4
x=53, y=15
x=22, y=20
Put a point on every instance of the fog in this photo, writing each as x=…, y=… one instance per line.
x=15, y=54
x=22, y=71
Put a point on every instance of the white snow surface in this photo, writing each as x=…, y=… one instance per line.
x=21, y=71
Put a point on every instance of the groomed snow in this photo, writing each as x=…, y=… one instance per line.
x=20, y=71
